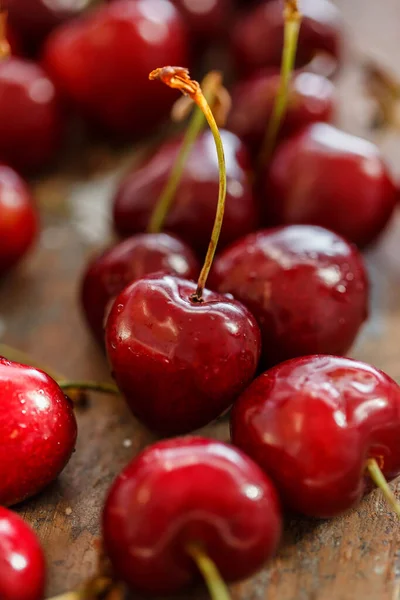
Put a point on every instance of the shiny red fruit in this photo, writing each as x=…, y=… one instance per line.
x=179, y=363
x=189, y=491
x=257, y=37
x=306, y=286
x=311, y=423
x=192, y=214
x=37, y=431
x=139, y=255
x=102, y=63
x=207, y=19
x=31, y=116
x=327, y=177
x=311, y=99
x=22, y=563
x=18, y=218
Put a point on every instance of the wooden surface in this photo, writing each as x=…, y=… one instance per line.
x=353, y=557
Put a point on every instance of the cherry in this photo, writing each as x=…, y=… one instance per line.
x=22, y=563
x=257, y=36
x=207, y=20
x=326, y=177
x=37, y=431
x=312, y=424
x=108, y=274
x=200, y=498
x=311, y=98
x=306, y=286
x=101, y=62
x=18, y=218
x=192, y=215
x=31, y=117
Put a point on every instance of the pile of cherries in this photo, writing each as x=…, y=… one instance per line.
x=263, y=328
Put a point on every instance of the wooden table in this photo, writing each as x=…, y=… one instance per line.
x=356, y=556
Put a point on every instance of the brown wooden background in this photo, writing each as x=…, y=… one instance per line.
x=353, y=557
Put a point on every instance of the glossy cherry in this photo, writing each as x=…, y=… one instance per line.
x=183, y=492
x=22, y=563
x=311, y=98
x=327, y=177
x=18, y=218
x=31, y=116
x=101, y=62
x=306, y=286
x=192, y=214
x=178, y=362
x=108, y=274
x=311, y=424
x=207, y=20
x=37, y=431
x=257, y=37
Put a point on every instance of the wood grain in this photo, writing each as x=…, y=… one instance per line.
x=354, y=557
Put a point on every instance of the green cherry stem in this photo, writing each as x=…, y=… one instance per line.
x=178, y=78
x=89, y=386
x=215, y=584
x=379, y=480
x=292, y=19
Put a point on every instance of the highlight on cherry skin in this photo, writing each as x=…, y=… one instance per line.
x=22, y=562
x=321, y=427
x=203, y=498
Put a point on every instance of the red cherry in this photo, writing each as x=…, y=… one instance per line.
x=18, y=218
x=22, y=563
x=179, y=363
x=206, y=20
x=311, y=98
x=326, y=177
x=37, y=431
x=31, y=117
x=311, y=424
x=108, y=274
x=258, y=35
x=189, y=491
x=192, y=214
x=306, y=286
x=102, y=62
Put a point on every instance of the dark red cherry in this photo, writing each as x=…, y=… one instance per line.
x=189, y=491
x=22, y=563
x=139, y=255
x=37, y=431
x=18, y=218
x=257, y=37
x=311, y=424
x=102, y=62
x=327, y=177
x=311, y=98
x=306, y=286
x=192, y=214
x=31, y=116
x=207, y=19
x=179, y=363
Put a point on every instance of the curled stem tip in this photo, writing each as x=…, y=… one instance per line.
x=215, y=584
x=5, y=49
x=379, y=480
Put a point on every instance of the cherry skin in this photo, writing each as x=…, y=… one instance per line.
x=31, y=122
x=108, y=274
x=306, y=286
x=37, y=431
x=207, y=21
x=197, y=491
x=312, y=422
x=311, y=98
x=257, y=36
x=18, y=218
x=22, y=563
x=192, y=214
x=326, y=177
x=179, y=363
x=126, y=39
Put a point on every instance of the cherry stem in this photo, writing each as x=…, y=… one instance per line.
x=5, y=49
x=92, y=590
x=178, y=78
x=292, y=18
x=215, y=584
x=211, y=84
x=379, y=480
x=89, y=386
